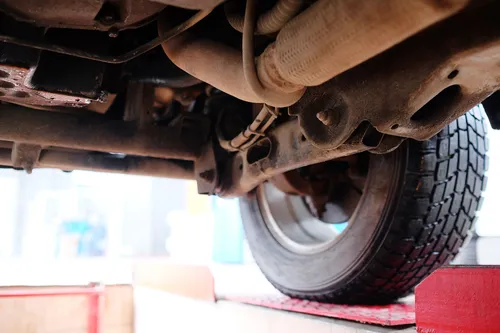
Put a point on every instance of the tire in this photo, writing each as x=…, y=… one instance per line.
x=418, y=210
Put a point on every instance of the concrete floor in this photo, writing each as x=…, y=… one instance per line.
x=159, y=312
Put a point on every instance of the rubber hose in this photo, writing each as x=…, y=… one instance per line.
x=269, y=22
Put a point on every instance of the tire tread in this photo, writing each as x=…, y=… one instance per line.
x=444, y=181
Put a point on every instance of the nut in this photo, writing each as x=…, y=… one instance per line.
x=326, y=117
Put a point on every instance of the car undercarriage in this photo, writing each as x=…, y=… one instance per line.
x=63, y=57
x=234, y=94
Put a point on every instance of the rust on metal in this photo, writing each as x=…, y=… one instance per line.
x=207, y=177
x=192, y=4
x=133, y=165
x=269, y=22
x=412, y=90
x=98, y=133
x=107, y=58
x=15, y=88
x=82, y=14
x=292, y=182
x=310, y=49
x=25, y=156
x=292, y=152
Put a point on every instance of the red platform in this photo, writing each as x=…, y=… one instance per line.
x=387, y=315
x=459, y=299
x=93, y=293
x=454, y=299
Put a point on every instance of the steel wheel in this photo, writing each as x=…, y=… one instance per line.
x=307, y=223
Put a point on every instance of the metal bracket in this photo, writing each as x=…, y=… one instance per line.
x=25, y=156
x=205, y=168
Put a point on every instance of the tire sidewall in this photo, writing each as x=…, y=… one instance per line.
x=350, y=253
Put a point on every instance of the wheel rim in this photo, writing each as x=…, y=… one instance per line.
x=291, y=220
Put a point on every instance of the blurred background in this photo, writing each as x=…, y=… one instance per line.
x=51, y=216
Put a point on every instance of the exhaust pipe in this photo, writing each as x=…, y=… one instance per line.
x=328, y=38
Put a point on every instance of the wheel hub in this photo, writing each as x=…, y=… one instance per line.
x=307, y=209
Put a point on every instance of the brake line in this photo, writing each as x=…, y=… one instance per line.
x=253, y=132
x=267, y=96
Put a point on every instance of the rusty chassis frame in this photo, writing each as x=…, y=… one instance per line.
x=33, y=138
x=285, y=149
x=43, y=139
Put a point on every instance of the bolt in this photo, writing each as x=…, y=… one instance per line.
x=113, y=32
x=28, y=169
x=109, y=14
x=325, y=117
x=108, y=20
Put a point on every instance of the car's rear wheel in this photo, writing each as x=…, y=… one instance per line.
x=380, y=223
